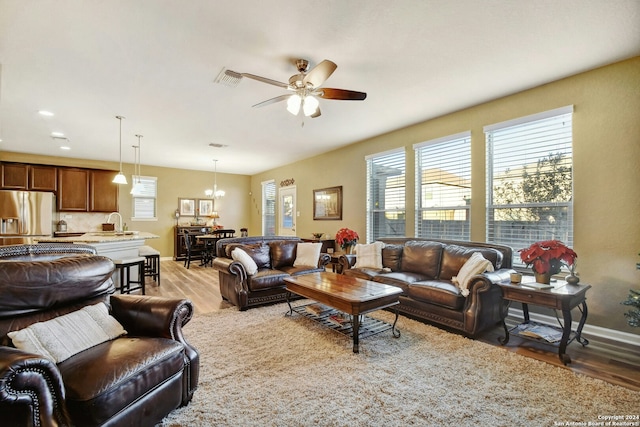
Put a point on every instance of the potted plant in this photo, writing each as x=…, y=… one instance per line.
x=547, y=257
x=347, y=239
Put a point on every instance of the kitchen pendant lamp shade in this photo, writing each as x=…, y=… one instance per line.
x=120, y=178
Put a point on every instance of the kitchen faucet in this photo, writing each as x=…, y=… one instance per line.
x=119, y=216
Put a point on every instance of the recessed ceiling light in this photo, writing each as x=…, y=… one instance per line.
x=64, y=147
x=57, y=134
x=45, y=113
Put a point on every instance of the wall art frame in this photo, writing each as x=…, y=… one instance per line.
x=327, y=204
x=187, y=207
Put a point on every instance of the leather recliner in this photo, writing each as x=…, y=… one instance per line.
x=133, y=380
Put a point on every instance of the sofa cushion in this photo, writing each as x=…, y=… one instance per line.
x=440, y=292
x=369, y=255
x=283, y=253
x=64, y=336
x=454, y=257
x=392, y=256
x=422, y=257
x=401, y=279
x=119, y=371
x=363, y=273
x=240, y=255
x=307, y=254
x=259, y=253
x=266, y=279
x=476, y=264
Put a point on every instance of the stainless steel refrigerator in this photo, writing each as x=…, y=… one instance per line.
x=25, y=215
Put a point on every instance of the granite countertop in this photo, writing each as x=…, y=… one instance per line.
x=101, y=237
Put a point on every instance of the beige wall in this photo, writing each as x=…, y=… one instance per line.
x=606, y=126
x=172, y=184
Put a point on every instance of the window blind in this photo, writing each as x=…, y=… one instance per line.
x=269, y=208
x=386, y=206
x=443, y=187
x=530, y=176
x=144, y=198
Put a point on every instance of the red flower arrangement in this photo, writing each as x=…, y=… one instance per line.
x=548, y=256
x=346, y=237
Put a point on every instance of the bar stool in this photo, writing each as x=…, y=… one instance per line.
x=124, y=267
x=151, y=262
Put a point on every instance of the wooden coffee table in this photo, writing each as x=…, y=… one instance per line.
x=349, y=295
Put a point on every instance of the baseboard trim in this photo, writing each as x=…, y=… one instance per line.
x=588, y=330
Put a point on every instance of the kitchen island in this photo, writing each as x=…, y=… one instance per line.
x=116, y=246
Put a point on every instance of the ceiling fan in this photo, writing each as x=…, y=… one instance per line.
x=305, y=87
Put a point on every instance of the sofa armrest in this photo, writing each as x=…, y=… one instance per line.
x=346, y=262
x=31, y=390
x=151, y=316
x=324, y=260
x=227, y=265
x=484, y=281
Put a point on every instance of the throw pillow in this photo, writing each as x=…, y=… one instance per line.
x=307, y=254
x=245, y=259
x=476, y=264
x=62, y=337
x=369, y=256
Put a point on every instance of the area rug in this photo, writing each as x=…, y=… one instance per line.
x=260, y=368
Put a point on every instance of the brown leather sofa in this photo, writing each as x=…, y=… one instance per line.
x=133, y=380
x=423, y=269
x=274, y=255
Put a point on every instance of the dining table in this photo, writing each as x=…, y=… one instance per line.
x=210, y=239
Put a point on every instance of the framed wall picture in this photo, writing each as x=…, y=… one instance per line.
x=187, y=207
x=327, y=203
x=205, y=207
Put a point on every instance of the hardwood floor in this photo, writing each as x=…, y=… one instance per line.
x=603, y=360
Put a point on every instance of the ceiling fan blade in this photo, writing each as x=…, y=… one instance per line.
x=320, y=73
x=265, y=80
x=272, y=100
x=316, y=113
x=343, y=94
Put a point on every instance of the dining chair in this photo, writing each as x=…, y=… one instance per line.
x=188, y=244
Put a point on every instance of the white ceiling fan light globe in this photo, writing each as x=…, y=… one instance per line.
x=310, y=105
x=293, y=104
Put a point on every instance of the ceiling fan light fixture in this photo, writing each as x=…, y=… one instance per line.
x=294, y=103
x=310, y=105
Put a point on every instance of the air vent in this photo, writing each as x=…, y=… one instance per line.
x=228, y=78
x=215, y=145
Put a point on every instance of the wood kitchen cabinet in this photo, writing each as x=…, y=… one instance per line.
x=43, y=178
x=103, y=193
x=87, y=190
x=73, y=189
x=19, y=176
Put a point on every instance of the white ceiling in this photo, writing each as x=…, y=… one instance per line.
x=155, y=62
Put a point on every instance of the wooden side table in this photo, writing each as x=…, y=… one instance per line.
x=561, y=296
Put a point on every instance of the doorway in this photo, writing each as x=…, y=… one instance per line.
x=287, y=212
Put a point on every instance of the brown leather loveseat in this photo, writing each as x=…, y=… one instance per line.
x=275, y=257
x=424, y=268
x=134, y=379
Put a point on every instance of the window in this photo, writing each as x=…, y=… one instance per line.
x=386, y=195
x=269, y=208
x=443, y=187
x=530, y=191
x=144, y=198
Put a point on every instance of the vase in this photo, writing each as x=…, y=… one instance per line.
x=349, y=249
x=543, y=278
x=572, y=279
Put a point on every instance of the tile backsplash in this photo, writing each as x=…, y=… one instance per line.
x=84, y=222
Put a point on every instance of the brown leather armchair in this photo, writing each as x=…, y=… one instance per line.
x=134, y=380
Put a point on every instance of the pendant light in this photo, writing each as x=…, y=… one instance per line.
x=137, y=183
x=216, y=193
x=120, y=178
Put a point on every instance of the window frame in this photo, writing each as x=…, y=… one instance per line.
x=135, y=196
x=388, y=159
x=452, y=164
x=521, y=232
